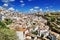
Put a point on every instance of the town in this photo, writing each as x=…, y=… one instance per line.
x=36, y=26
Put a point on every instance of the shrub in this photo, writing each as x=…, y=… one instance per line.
x=36, y=32
x=7, y=34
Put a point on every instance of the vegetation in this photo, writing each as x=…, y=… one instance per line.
x=46, y=15
x=8, y=21
x=2, y=25
x=55, y=13
x=6, y=33
x=58, y=21
x=54, y=28
x=53, y=18
x=35, y=32
x=42, y=35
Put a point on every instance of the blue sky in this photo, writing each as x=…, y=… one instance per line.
x=32, y=5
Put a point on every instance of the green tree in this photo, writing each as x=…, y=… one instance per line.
x=52, y=18
x=42, y=35
x=8, y=21
x=35, y=32
x=2, y=25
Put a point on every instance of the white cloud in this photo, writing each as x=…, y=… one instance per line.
x=5, y=5
x=11, y=8
x=12, y=0
x=7, y=0
x=31, y=9
x=22, y=5
x=36, y=7
x=40, y=9
x=21, y=1
x=35, y=10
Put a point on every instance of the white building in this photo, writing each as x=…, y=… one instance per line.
x=20, y=35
